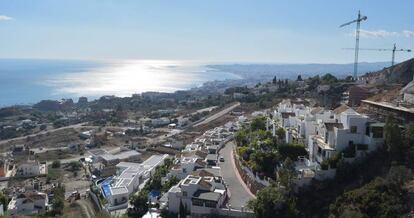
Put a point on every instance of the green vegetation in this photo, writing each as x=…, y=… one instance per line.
x=379, y=198
x=372, y=187
x=58, y=202
x=393, y=139
x=261, y=151
x=273, y=202
x=56, y=164
x=4, y=201
x=258, y=123
x=74, y=166
x=53, y=173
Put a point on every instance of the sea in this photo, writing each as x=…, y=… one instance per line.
x=28, y=81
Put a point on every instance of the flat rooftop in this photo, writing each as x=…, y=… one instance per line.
x=154, y=160
x=119, y=190
x=207, y=195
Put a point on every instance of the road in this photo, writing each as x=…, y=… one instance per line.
x=239, y=193
x=218, y=114
x=42, y=133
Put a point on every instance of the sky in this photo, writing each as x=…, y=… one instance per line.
x=290, y=31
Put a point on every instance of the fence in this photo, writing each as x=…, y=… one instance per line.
x=248, y=177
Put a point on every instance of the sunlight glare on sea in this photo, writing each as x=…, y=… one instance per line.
x=123, y=78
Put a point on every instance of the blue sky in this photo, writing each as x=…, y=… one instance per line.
x=211, y=30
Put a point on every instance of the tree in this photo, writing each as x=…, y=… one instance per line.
x=328, y=79
x=287, y=173
x=280, y=133
x=56, y=164
x=409, y=144
x=349, y=213
x=264, y=162
x=292, y=151
x=398, y=175
x=74, y=166
x=409, y=135
x=375, y=199
x=4, y=201
x=140, y=205
x=258, y=123
x=393, y=139
x=58, y=202
x=269, y=202
x=241, y=137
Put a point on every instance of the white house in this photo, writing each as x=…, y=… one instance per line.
x=129, y=176
x=351, y=128
x=199, y=195
x=27, y=204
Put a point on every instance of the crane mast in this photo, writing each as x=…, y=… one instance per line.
x=358, y=21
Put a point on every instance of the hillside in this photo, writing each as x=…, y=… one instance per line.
x=400, y=73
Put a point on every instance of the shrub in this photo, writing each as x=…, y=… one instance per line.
x=56, y=164
x=325, y=165
x=349, y=152
x=362, y=147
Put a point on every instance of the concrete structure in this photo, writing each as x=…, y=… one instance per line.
x=160, y=121
x=30, y=168
x=382, y=109
x=113, y=159
x=28, y=203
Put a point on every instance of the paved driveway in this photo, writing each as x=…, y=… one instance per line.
x=238, y=190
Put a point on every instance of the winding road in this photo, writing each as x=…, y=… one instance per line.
x=239, y=192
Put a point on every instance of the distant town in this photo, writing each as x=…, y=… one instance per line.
x=313, y=146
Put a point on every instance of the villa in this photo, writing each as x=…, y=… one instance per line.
x=199, y=195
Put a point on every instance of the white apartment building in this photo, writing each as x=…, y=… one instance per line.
x=350, y=128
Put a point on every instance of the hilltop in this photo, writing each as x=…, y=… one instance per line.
x=401, y=73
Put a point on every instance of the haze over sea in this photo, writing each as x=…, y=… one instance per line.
x=27, y=81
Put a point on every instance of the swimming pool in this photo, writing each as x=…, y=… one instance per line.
x=105, y=186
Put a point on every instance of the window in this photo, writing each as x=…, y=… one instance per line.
x=184, y=193
x=198, y=202
x=211, y=204
x=354, y=129
x=377, y=132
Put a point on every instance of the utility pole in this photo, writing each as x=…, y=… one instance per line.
x=358, y=21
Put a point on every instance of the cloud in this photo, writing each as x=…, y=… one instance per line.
x=377, y=33
x=408, y=33
x=5, y=18
x=384, y=34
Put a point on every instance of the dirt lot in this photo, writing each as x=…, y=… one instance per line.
x=55, y=139
x=82, y=208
